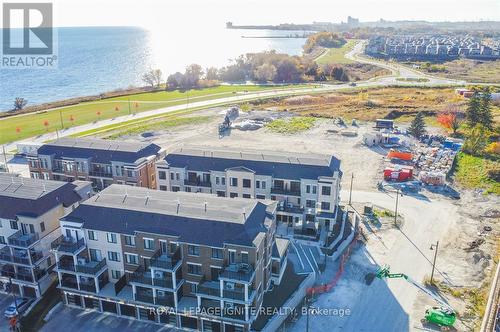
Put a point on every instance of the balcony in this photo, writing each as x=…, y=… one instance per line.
x=167, y=300
x=69, y=283
x=68, y=245
x=100, y=174
x=285, y=192
x=290, y=208
x=145, y=278
x=24, y=276
x=18, y=239
x=165, y=261
x=239, y=272
x=211, y=288
x=237, y=294
x=144, y=297
x=88, y=286
x=197, y=183
x=91, y=267
x=20, y=257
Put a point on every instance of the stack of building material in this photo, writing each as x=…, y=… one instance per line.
x=432, y=178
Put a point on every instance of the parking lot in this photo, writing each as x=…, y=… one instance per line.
x=76, y=320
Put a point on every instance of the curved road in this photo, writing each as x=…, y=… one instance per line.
x=398, y=71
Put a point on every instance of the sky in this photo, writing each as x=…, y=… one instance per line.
x=182, y=13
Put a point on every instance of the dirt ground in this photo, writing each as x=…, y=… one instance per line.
x=462, y=221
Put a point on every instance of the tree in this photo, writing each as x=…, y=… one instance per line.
x=212, y=74
x=192, y=75
x=476, y=140
x=288, y=70
x=19, y=103
x=450, y=118
x=417, y=126
x=175, y=81
x=232, y=73
x=485, y=116
x=473, y=110
x=265, y=72
x=153, y=77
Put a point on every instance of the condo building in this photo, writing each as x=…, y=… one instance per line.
x=191, y=261
x=29, y=221
x=103, y=162
x=306, y=187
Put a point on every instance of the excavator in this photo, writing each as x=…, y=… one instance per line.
x=442, y=315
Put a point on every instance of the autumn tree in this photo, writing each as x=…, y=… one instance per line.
x=153, y=77
x=265, y=72
x=450, y=118
x=476, y=140
x=212, y=74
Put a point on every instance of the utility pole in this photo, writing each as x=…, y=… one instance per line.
x=307, y=316
x=434, y=247
x=350, y=190
x=396, y=212
x=60, y=117
x=187, y=99
x=5, y=158
x=129, y=106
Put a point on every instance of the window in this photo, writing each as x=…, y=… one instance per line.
x=308, y=189
x=113, y=256
x=247, y=196
x=111, y=237
x=194, y=269
x=314, y=189
x=257, y=184
x=163, y=188
x=326, y=191
x=13, y=224
x=92, y=235
x=233, y=195
x=177, y=176
x=263, y=183
x=261, y=196
x=131, y=259
x=217, y=180
x=2, y=239
x=234, y=182
x=193, y=250
x=171, y=176
x=232, y=256
x=115, y=274
x=187, y=189
x=149, y=244
x=162, y=175
x=217, y=253
x=310, y=203
x=42, y=226
x=130, y=240
x=95, y=255
x=223, y=181
x=247, y=183
x=325, y=206
x=244, y=257
x=221, y=193
x=193, y=287
x=1, y=224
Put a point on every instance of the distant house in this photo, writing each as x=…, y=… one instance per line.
x=384, y=124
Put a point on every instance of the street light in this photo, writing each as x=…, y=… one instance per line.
x=435, y=248
x=350, y=190
x=396, y=210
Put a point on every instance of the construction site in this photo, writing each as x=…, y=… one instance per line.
x=381, y=281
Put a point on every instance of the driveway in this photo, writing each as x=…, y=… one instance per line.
x=77, y=320
x=5, y=301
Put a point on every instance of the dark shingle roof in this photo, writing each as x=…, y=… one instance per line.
x=33, y=198
x=281, y=166
x=192, y=217
x=102, y=151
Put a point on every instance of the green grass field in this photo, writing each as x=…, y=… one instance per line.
x=34, y=124
x=292, y=125
x=472, y=173
x=336, y=55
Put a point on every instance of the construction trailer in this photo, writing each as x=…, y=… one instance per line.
x=384, y=124
x=398, y=174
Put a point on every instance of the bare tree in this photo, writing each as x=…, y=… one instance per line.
x=19, y=103
x=153, y=77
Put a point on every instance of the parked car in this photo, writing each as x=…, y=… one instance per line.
x=22, y=305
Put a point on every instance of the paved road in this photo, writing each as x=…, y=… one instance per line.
x=355, y=54
x=77, y=320
x=392, y=305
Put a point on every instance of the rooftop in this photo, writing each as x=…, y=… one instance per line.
x=193, y=217
x=33, y=197
x=101, y=150
x=296, y=166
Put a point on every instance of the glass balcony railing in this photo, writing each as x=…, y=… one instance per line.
x=238, y=272
x=18, y=239
x=68, y=245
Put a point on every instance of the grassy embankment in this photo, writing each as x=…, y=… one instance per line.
x=466, y=69
x=477, y=173
x=336, y=55
x=34, y=124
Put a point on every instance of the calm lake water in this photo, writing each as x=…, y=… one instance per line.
x=99, y=59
